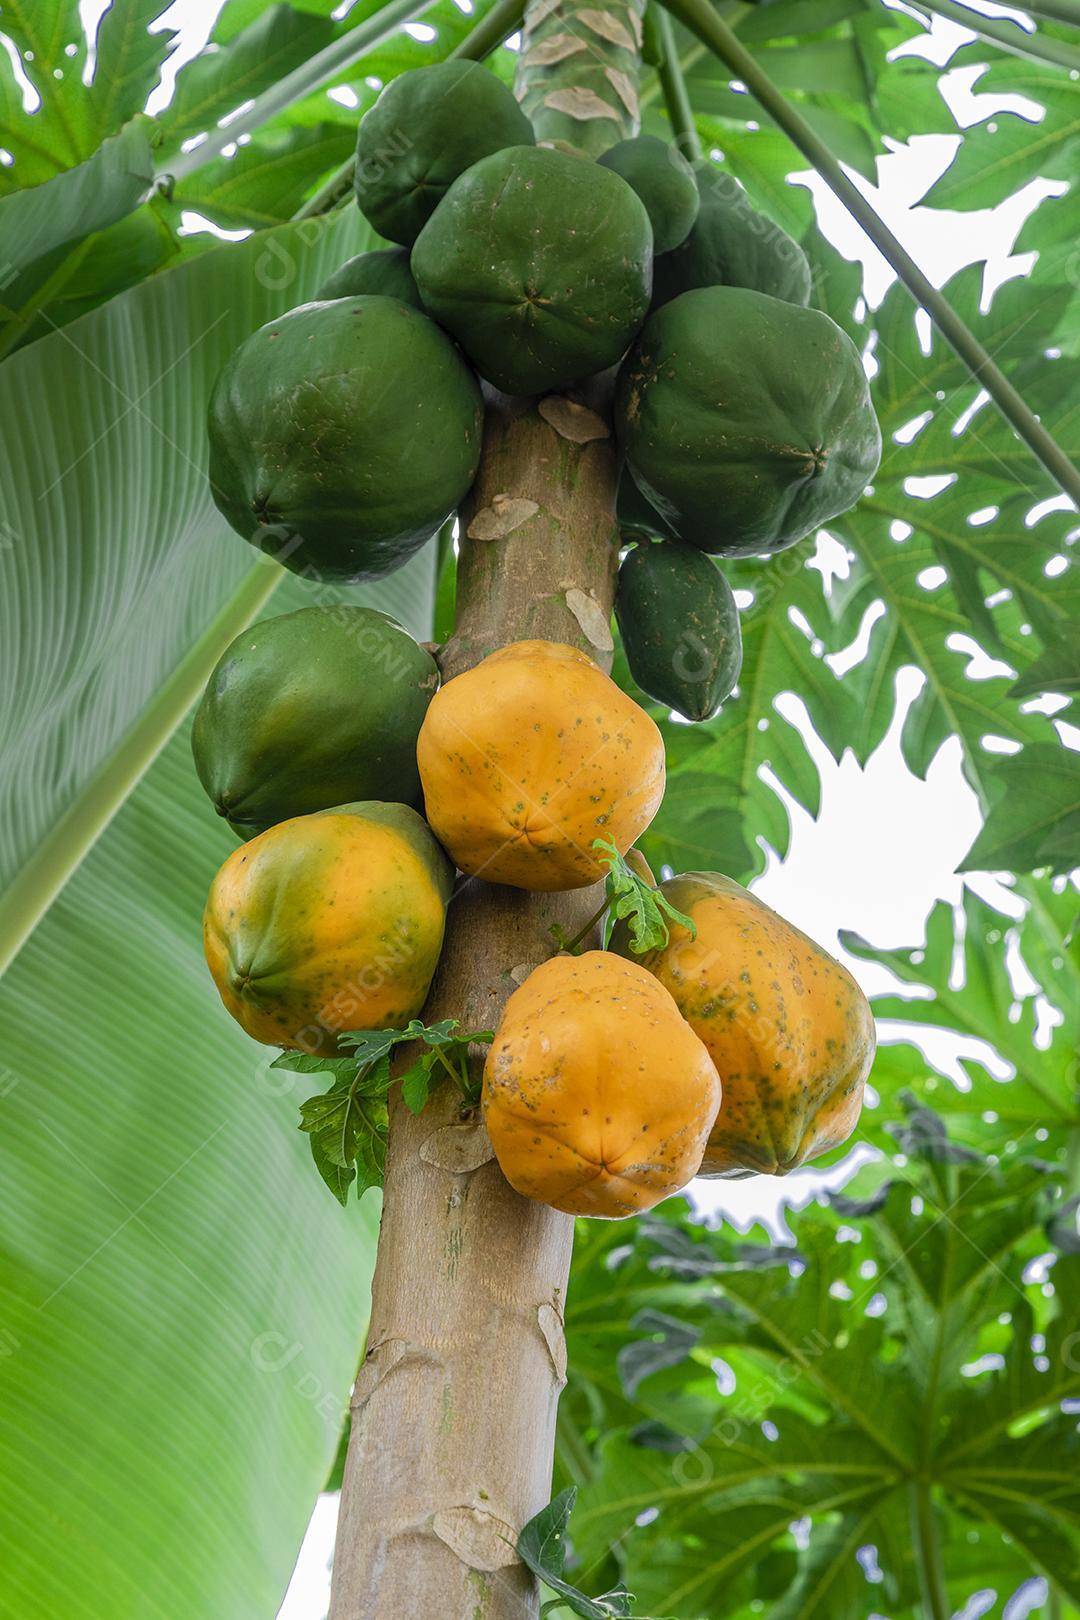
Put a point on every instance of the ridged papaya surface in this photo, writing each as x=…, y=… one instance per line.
x=426, y=128
x=598, y=1097
x=327, y=923
x=312, y=421
x=745, y=421
x=789, y=1030
x=540, y=265
x=663, y=180
x=530, y=756
x=311, y=709
x=732, y=245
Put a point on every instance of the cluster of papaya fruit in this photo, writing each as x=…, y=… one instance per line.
x=343, y=435
x=736, y=1045
x=743, y=414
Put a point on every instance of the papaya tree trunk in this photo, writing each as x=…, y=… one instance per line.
x=453, y=1412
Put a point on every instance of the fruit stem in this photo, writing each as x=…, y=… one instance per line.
x=1007, y=36
x=503, y=18
x=571, y=945
x=670, y=76
x=700, y=19
x=454, y=1074
x=494, y=27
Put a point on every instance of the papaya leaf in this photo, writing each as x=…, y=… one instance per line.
x=241, y=67
x=415, y=1086
x=668, y=1343
x=1056, y=669
x=542, y=1547
x=338, y=1177
x=446, y=1056
x=38, y=223
x=1035, y=819
x=368, y=1045
x=314, y=1063
x=851, y=1364
x=75, y=110
x=631, y=897
x=347, y=1126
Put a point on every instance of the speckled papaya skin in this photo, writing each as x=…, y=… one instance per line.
x=598, y=1096
x=539, y=264
x=531, y=755
x=746, y=421
x=790, y=1032
x=312, y=420
x=328, y=922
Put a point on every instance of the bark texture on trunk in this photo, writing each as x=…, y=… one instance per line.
x=453, y=1413
x=578, y=73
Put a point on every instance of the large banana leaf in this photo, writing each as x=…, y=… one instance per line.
x=181, y=1306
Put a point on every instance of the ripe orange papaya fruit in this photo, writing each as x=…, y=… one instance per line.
x=789, y=1030
x=530, y=756
x=328, y=922
x=598, y=1096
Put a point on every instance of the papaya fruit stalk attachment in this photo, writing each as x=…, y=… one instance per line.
x=630, y=893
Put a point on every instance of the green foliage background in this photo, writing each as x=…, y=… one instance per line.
x=181, y=1305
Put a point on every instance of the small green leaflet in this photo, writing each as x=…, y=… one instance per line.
x=630, y=897
x=542, y=1546
x=347, y=1124
x=447, y=1055
x=347, y=1128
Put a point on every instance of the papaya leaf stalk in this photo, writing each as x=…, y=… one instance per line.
x=927, y=1546
x=1006, y=36
x=669, y=75
x=1064, y=11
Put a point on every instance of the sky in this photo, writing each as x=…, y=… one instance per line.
x=885, y=845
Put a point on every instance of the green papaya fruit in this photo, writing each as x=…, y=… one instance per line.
x=311, y=709
x=426, y=128
x=342, y=435
x=540, y=265
x=732, y=245
x=384, y=271
x=679, y=626
x=746, y=421
x=636, y=515
x=663, y=180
